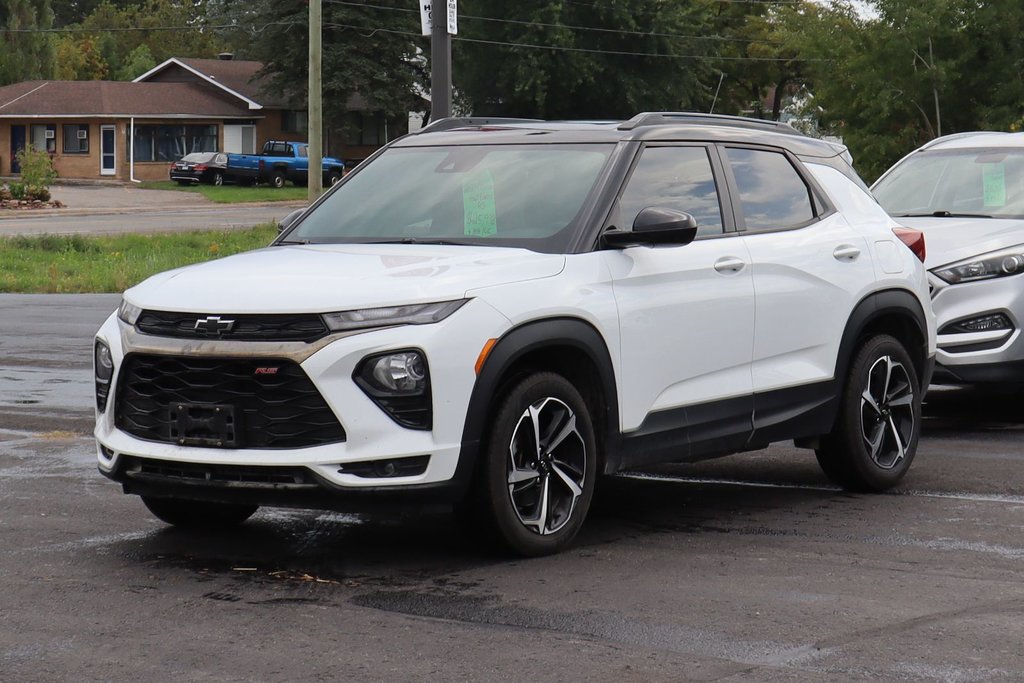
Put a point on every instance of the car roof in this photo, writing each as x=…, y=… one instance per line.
x=975, y=139
x=649, y=126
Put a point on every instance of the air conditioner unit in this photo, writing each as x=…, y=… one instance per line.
x=83, y=134
x=50, y=134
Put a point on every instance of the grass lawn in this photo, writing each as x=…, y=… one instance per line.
x=233, y=194
x=72, y=263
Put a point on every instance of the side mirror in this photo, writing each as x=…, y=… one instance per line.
x=288, y=220
x=655, y=225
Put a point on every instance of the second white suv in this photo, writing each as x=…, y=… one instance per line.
x=493, y=313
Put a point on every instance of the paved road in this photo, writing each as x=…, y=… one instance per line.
x=749, y=568
x=114, y=209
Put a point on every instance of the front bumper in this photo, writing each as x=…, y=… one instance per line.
x=371, y=435
x=992, y=356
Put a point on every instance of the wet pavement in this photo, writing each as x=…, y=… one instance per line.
x=750, y=568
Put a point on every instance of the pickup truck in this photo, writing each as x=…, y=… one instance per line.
x=280, y=162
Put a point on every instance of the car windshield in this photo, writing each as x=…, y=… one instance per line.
x=527, y=196
x=986, y=183
x=199, y=157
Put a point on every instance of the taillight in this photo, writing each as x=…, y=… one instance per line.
x=913, y=239
x=200, y=167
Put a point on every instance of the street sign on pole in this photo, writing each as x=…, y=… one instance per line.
x=451, y=16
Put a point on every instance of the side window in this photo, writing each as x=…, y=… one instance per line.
x=677, y=178
x=771, y=192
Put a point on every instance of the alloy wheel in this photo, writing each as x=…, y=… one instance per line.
x=546, y=466
x=887, y=412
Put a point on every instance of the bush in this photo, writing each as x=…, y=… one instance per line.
x=41, y=194
x=37, y=170
x=5, y=194
x=17, y=191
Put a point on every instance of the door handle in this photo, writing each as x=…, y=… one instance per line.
x=729, y=264
x=846, y=252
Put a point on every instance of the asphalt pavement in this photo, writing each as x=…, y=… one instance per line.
x=748, y=568
x=105, y=209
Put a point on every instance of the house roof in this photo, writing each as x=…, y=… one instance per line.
x=67, y=99
x=236, y=77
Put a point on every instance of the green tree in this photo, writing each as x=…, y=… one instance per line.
x=910, y=71
x=370, y=59
x=77, y=59
x=139, y=61
x=612, y=59
x=25, y=53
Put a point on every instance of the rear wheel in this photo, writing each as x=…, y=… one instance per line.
x=218, y=178
x=539, y=467
x=879, y=422
x=195, y=514
x=278, y=179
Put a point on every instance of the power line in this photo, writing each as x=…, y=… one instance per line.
x=520, y=22
x=560, y=48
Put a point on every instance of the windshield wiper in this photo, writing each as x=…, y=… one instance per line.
x=941, y=213
x=416, y=240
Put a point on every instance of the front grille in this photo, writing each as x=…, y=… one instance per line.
x=272, y=402
x=305, y=327
x=227, y=475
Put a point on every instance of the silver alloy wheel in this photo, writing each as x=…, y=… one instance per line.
x=546, y=466
x=887, y=412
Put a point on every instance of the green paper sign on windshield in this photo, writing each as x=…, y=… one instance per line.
x=993, y=180
x=478, y=208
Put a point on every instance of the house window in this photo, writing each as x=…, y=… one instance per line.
x=365, y=129
x=76, y=139
x=44, y=137
x=170, y=143
x=294, y=121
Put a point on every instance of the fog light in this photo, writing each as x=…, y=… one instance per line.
x=399, y=383
x=983, y=323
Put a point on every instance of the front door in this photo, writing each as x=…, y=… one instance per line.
x=108, y=154
x=686, y=314
x=17, y=144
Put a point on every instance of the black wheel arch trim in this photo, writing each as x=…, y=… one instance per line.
x=874, y=306
x=511, y=347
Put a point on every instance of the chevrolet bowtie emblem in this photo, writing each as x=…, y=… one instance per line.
x=213, y=324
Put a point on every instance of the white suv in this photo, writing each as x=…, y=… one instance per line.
x=493, y=313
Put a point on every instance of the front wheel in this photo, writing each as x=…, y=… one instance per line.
x=195, y=514
x=333, y=178
x=876, y=433
x=539, y=467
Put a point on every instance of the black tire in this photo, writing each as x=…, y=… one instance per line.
x=516, y=519
x=332, y=178
x=195, y=514
x=218, y=178
x=875, y=436
x=278, y=179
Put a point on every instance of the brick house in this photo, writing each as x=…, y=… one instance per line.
x=134, y=130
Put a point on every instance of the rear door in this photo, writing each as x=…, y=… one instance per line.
x=686, y=313
x=810, y=268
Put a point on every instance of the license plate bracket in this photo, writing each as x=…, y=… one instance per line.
x=194, y=424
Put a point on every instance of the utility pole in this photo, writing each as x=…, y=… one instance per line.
x=441, y=15
x=315, y=113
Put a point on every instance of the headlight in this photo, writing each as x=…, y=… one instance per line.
x=103, y=364
x=997, y=264
x=399, y=383
x=416, y=314
x=128, y=313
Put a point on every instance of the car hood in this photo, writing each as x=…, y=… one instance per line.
x=323, y=278
x=949, y=240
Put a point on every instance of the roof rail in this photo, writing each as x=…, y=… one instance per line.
x=464, y=121
x=957, y=136
x=662, y=118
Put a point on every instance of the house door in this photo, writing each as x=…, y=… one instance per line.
x=108, y=155
x=17, y=144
